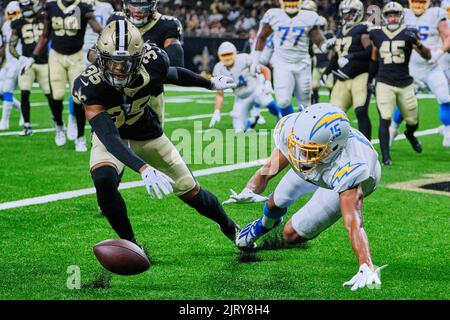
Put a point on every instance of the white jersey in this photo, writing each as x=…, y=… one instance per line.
x=103, y=10
x=427, y=25
x=240, y=72
x=356, y=164
x=6, y=31
x=291, y=35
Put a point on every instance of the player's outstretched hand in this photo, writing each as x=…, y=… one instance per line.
x=215, y=118
x=25, y=64
x=156, y=182
x=222, y=83
x=246, y=196
x=366, y=277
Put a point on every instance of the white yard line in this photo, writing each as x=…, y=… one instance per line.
x=128, y=185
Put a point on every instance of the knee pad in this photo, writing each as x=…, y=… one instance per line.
x=106, y=181
x=444, y=113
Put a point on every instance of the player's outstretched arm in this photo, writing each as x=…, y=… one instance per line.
x=351, y=204
x=175, y=51
x=43, y=39
x=186, y=78
x=92, y=21
x=258, y=182
x=320, y=41
x=217, y=108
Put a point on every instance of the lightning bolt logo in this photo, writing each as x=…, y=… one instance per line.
x=344, y=171
x=326, y=120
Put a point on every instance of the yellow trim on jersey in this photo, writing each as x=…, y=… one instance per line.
x=146, y=79
x=151, y=24
x=392, y=34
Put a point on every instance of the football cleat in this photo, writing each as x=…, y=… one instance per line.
x=247, y=237
x=393, y=132
x=387, y=162
x=60, y=136
x=233, y=234
x=80, y=144
x=261, y=120
x=4, y=125
x=441, y=130
x=417, y=147
x=72, y=129
x=27, y=131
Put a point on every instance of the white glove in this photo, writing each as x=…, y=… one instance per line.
x=25, y=63
x=155, y=181
x=436, y=55
x=222, y=83
x=254, y=67
x=342, y=62
x=215, y=118
x=323, y=80
x=267, y=87
x=327, y=45
x=246, y=196
x=366, y=277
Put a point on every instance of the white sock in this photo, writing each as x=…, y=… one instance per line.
x=17, y=104
x=7, y=106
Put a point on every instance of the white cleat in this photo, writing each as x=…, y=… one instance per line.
x=60, y=136
x=21, y=121
x=4, y=125
x=72, y=130
x=80, y=144
x=441, y=130
x=446, y=141
x=261, y=120
x=393, y=132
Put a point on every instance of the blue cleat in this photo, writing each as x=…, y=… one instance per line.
x=246, y=238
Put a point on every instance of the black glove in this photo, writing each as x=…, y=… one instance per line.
x=414, y=36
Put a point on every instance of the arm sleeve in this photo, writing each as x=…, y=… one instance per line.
x=176, y=55
x=373, y=70
x=108, y=134
x=186, y=78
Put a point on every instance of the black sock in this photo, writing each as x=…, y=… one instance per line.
x=411, y=129
x=383, y=134
x=25, y=105
x=209, y=206
x=364, y=125
x=315, y=96
x=57, y=108
x=81, y=118
x=110, y=201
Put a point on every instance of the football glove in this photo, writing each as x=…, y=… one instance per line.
x=156, y=181
x=366, y=277
x=215, y=118
x=246, y=196
x=25, y=64
x=222, y=83
x=413, y=35
x=327, y=45
x=323, y=80
x=267, y=87
x=342, y=62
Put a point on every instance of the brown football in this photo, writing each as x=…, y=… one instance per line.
x=121, y=257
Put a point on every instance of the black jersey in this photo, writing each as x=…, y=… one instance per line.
x=68, y=24
x=129, y=108
x=158, y=30
x=28, y=31
x=349, y=42
x=394, y=53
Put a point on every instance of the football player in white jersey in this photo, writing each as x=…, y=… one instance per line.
x=10, y=69
x=445, y=60
x=292, y=30
x=250, y=89
x=329, y=159
x=435, y=34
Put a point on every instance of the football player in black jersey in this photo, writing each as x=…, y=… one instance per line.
x=350, y=64
x=392, y=46
x=27, y=31
x=65, y=24
x=115, y=92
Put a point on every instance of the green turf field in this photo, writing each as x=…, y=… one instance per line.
x=190, y=257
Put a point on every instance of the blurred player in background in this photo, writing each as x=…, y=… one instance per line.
x=392, y=46
x=350, y=64
x=65, y=24
x=434, y=33
x=26, y=32
x=331, y=160
x=250, y=89
x=10, y=68
x=292, y=30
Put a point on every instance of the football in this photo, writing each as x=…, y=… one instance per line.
x=121, y=257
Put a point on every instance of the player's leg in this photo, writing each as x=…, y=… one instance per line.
x=386, y=100
x=75, y=68
x=240, y=113
x=361, y=101
x=25, y=84
x=42, y=78
x=302, y=90
x=72, y=129
x=316, y=75
x=317, y=215
x=162, y=155
x=341, y=95
x=397, y=119
x=407, y=103
x=9, y=85
x=266, y=99
x=289, y=189
x=437, y=82
x=58, y=80
x=284, y=84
